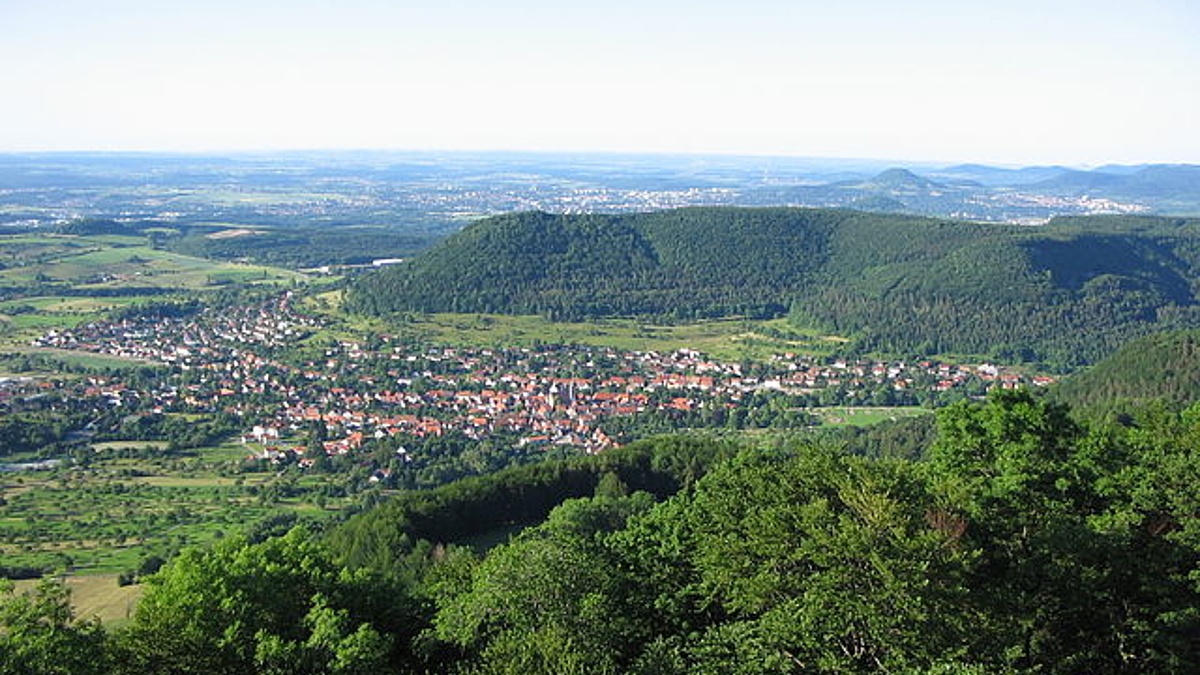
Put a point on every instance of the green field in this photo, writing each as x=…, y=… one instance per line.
x=842, y=416
x=726, y=339
x=98, y=596
x=81, y=359
x=114, y=264
x=106, y=517
x=101, y=273
x=730, y=339
x=137, y=445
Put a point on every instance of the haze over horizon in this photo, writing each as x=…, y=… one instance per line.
x=1068, y=82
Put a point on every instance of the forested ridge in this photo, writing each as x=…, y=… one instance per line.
x=1066, y=293
x=1164, y=367
x=1023, y=541
x=301, y=247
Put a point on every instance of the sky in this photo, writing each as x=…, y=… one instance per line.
x=1012, y=82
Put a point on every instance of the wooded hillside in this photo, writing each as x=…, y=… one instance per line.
x=1163, y=367
x=1066, y=293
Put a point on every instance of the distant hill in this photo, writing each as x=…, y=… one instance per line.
x=1165, y=188
x=1066, y=293
x=1080, y=181
x=93, y=226
x=1163, y=367
x=996, y=176
x=1157, y=182
x=877, y=203
x=1164, y=181
x=995, y=194
x=900, y=179
x=1121, y=169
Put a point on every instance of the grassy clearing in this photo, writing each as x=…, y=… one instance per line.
x=23, y=319
x=98, y=596
x=227, y=452
x=485, y=541
x=82, y=359
x=186, y=481
x=109, y=272
x=142, y=266
x=865, y=416
x=41, y=321
x=64, y=304
x=725, y=339
x=107, y=261
x=132, y=445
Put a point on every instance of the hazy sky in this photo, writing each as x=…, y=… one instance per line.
x=1014, y=81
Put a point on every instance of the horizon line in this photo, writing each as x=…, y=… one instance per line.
x=280, y=152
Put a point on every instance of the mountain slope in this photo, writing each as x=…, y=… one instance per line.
x=998, y=177
x=1080, y=181
x=687, y=263
x=1164, y=367
x=1158, y=182
x=1068, y=293
x=900, y=179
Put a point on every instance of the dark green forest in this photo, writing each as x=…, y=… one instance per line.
x=1063, y=294
x=1162, y=367
x=281, y=245
x=1019, y=540
x=301, y=247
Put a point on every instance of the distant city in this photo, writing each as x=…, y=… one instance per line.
x=438, y=192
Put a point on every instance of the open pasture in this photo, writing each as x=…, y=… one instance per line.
x=98, y=596
x=843, y=416
x=51, y=281
x=725, y=339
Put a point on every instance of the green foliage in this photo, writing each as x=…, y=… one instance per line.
x=302, y=247
x=903, y=438
x=554, y=591
x=820, y=562
x=1165, y=367
x=1014, y=454
x=1028, y=543
x=1071, y=573
x=94, y=226
x=39, y=635
x=396, y=537
x=1015, y=549
x=30, y=433
x=1066, y=293
x=281, y=606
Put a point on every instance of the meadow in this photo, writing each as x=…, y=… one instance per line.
x=53, y=281
x=98, y=596
x=732, y=340
x=842, y=416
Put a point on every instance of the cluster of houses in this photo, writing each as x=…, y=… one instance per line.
x=808, y=374
x=473, y=200
x=262, y=363
x=191, y=340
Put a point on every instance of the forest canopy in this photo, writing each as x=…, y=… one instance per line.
x=1066, y=293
